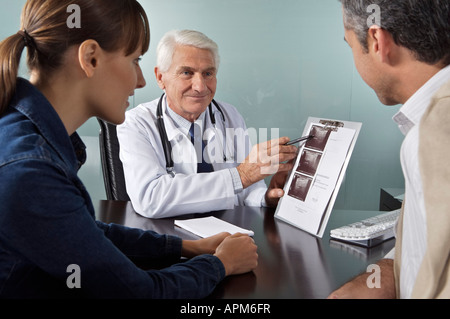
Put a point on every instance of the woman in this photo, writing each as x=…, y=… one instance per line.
x=47, y=222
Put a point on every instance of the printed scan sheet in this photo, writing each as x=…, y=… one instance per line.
x=312, y=187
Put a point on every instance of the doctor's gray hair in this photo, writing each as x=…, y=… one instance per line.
x=421, y=26
x=168, y=43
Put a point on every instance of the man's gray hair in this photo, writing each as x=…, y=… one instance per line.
x=168, y=43
x=422, y=26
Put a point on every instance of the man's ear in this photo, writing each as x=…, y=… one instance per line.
x=159, y=78
x=381, y=43
x=88, y=56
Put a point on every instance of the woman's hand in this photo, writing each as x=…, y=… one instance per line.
x=192, y=248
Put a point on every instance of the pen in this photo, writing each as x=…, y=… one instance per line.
x=300, y=139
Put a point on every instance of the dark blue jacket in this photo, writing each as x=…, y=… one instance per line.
x=47, y=222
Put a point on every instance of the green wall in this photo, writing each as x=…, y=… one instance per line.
x=282, y=61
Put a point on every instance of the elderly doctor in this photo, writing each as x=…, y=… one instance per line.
x=186, y=153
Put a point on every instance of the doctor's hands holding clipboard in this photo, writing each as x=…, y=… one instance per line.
x=266, y=159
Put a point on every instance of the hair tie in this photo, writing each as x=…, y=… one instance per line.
x=29, y=42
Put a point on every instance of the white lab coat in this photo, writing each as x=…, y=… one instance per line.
x=155, y=193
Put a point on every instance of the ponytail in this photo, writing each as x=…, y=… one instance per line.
x=10, y=53
x=114, y=24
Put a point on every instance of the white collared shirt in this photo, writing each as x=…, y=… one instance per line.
x=414, y=220
x=184, y=126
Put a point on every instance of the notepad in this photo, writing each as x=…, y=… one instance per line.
x=210, y=226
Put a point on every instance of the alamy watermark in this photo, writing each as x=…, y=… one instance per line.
x=375, y=15
x=374, y=279
x=74, y=19
x=230, y=145
x=74, y=279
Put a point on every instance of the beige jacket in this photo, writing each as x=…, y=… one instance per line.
x=433, y=278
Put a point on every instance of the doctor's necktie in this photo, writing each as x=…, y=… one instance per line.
x=202, y=167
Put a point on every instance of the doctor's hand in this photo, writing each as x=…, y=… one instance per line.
x=238, y=254
x=266, y=159
x=275, y=190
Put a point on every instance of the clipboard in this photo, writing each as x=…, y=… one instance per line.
x=313, y=185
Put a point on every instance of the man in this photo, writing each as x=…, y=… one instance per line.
x=406, y=59
x=218, y=177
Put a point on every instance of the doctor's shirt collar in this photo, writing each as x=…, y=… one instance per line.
x=181, y=123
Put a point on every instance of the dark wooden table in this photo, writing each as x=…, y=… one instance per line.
x=292, y=263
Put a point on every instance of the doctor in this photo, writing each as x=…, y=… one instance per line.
x=161, y=141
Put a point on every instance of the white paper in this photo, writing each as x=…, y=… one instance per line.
x=210, y=226
x=315, y=176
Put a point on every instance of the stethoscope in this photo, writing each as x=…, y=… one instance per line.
x=165, y=140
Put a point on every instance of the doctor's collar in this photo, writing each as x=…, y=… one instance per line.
x=181, y=122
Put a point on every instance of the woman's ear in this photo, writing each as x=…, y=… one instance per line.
x=89, y=53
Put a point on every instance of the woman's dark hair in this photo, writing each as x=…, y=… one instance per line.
x=422, y=26
x=114, y=24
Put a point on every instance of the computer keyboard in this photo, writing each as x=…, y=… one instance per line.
x=368, y=232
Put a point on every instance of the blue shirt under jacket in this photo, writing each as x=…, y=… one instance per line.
x=47, y=221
